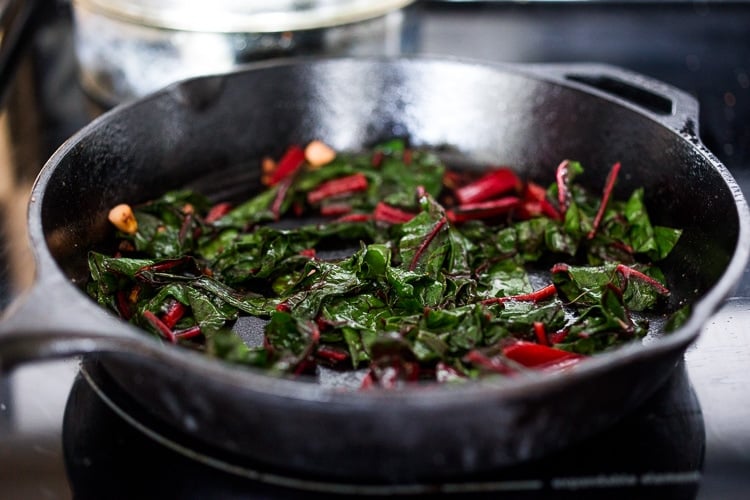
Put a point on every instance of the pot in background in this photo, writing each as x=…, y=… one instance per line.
x=129, y=48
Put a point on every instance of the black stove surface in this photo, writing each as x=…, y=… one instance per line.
x=691, y=439
x=115, y=449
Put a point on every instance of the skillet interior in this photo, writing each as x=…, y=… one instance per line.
x=209, y=133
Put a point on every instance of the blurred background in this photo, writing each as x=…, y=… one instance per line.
x=64, y=62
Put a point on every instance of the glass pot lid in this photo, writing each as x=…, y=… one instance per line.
x=250, y=16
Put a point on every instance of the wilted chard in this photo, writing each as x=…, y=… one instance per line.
x=410, y=271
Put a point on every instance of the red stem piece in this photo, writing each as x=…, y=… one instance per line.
x=609, y=185
x=430, y=236
x=532, y=355
x=189, y=333
x=335, y=187
x=392, y=215
x=623, y=246
x=377, y=158
x=495, y=183
x=483, y=209
x=560, y=267
x=492, y=364
x=535, y=203
x=559, y=336
x=335, y=209
x=174, y=313
x=163, y=329
x=355, y=218
x=283, y=307
x=407, y=156
x=367, y=382
x=332, y=354
x=292, y=159
x=123, y=306
x=164, y=265
x=541, y=333
x=217, y=211
x=629, y=272
x=547, y=292
x=308, y=252
x=279, y=198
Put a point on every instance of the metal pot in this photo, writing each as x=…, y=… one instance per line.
x=202, y=131
x=128, y=48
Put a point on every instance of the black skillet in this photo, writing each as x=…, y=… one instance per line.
x=210, y=133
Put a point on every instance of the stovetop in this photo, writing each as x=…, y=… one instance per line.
x=111, y=444
x=60, y=438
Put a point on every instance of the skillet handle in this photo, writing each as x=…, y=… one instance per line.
x=668, y=105
x=54, y=320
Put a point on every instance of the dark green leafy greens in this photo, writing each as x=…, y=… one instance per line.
x=387, y=272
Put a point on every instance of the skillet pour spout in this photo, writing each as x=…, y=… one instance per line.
x=209, y=134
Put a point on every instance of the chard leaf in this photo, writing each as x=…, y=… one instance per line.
x=530, y=238
x=666, y=238
x=321, y=282
x=519, y=317
x=373, y=261
x=210, y=314
x=359, y=342
x=678, y=318
x=253, y=211
x=641, y=234
x=229, y=347
x=583, y=285
x=429, y=347
x=504, y=278
x=289, y=335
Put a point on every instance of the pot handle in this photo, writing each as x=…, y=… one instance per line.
x=55, y=320
x=668, y=105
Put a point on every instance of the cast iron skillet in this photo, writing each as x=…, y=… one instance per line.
x=210, y=132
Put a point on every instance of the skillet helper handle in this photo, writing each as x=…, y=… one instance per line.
x=54, y=320
x=666, y=104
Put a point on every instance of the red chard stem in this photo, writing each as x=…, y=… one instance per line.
x=495, y=183
x=547, y=292
x=189, y=333
x=610, y=184
x=335, y=187
x=217, y=211
x=281, y=192
x=541, y=333
x=391, y=215
x=534, y=355
x=484, y=209
x=159, y=325
x=630, y=273
x=292, y=159
x=355, y=218
x=174, y=313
